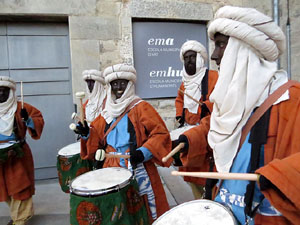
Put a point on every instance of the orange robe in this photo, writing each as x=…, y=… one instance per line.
x=151, y=133
x=17, y=174
x=282, y=158
x=194, y=119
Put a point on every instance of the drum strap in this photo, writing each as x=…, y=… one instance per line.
x=121, y=116
x=259, y=112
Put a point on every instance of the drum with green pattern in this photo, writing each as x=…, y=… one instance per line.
x=70, y=165
x=112, y=204
x=10, y=146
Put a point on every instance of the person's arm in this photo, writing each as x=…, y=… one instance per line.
x=33, y=119
x=197, y=148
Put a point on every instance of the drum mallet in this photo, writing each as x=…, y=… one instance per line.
x=101, y=155
x=81, y=95
x=22, y=96
x=173, y=152
x=216, y=175
x=195, y=100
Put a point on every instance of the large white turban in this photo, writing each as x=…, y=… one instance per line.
x=248, y=75
x=97, y=96
x=192, y=83
x=8, y=108
x=115, y=107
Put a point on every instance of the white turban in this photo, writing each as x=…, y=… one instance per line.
x=8, y=108
x=251, y=27
x=97, y=96
x=120, y=71
x=95, y=75
x=192, y=83
x=115, y=107
x=248, y=75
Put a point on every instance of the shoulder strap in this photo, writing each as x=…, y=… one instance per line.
x=263, y=108
x=121, y=116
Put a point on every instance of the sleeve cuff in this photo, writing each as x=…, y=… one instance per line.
x=30, y=123
x=147, y=154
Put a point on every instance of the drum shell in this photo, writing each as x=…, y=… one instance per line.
x=16, y=147
x=207, y=213
x=70, y=167
x=116, y=206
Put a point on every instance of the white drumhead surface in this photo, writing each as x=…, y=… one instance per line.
x=174, y=134
x=71, y=149
x=197, y=212
x=101, y=179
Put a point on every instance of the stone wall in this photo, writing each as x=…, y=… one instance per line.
x=101, y=30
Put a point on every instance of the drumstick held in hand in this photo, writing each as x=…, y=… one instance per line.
x=173, y=152
x=22, y=97
x=101, y=155
x=200, y=103
x=216, y=175
x=81, y=95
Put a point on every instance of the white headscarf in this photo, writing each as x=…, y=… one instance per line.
x=192, y=83
x=96, y=98
x=8, y=108
x=115, y=107
x=248, y=75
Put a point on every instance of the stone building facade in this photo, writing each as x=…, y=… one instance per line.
x=100, y=31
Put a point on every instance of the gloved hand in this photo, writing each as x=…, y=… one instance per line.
x=264, y=183
x=24, y=114
x=11, y=153
x=136, y=157
x=183, y=139
x=82, y=130
x=100, y=155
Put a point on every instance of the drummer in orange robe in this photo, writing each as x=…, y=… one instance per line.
x=16, y=168
x=140, y=132
x=197, y=82
x=247, y=45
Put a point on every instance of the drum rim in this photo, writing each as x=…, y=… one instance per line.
x=234, y=220
x=103, y=191
x=68, y=156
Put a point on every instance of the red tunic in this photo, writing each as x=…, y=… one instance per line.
x=282, y=157
x=194, y=119
x=17, y=174
x=151, y=133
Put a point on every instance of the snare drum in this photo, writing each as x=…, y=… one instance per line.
x=197, y=212
x=177, y=132
x=107, y=196
x=70, y=165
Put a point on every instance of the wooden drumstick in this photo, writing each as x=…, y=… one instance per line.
x=216, y=175
x=22, y=97
x=173, y=152
x=200, y=103
x=101, y=155
x=81, y=95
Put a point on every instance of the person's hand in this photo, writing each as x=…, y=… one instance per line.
x=24, y=114
x=82, y=130
x=136, y=157
x=183, y=139
x=264, y=183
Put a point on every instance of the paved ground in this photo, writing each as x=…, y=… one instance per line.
x=51, y=205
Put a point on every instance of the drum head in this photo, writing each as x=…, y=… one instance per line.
x=197, y=212
x=101, y=181
x=69, y=150
x=6, y=144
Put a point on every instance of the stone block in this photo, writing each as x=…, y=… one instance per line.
x=94, y=28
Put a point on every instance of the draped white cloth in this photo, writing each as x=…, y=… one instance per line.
x=246, y=79
x=8, y=108
x=192, y=83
